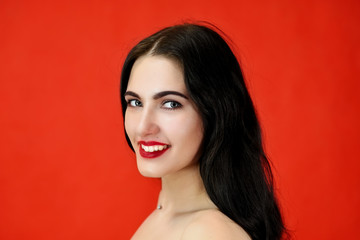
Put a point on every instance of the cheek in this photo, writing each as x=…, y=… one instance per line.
x=187, y=131
x=129, y=126
x=193, y=126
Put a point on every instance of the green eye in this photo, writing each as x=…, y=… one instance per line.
x=134, y=103
x=172, y=105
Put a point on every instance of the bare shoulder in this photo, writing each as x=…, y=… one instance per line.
x=213, y=224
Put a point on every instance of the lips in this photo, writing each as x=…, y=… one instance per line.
x=152, y=149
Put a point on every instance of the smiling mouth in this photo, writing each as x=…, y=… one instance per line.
x=152, y=149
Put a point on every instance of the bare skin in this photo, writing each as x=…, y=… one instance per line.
x=159, y=110
x=187, y=212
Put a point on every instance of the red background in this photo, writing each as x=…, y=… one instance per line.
x=65, y=169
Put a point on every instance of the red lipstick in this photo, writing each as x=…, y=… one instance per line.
x=151, y=144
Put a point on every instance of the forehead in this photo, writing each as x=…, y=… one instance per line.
x=155, y=74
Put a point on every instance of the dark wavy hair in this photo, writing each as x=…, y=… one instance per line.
x=233, y=166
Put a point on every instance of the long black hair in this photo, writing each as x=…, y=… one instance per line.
x=233, y=166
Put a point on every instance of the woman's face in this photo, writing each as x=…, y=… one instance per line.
x=161, y=121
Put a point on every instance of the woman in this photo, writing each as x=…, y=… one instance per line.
x=191, y=122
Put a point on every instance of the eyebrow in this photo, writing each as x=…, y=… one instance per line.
x=157, y=95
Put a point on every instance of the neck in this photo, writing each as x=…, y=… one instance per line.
x=183, y=192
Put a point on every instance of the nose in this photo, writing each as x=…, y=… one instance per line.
x=147, y=124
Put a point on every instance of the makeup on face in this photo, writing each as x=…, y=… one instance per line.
x=162, y=123
x=152, y=149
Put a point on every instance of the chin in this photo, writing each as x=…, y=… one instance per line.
x=150, y=174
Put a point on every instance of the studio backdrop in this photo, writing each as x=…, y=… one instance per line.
x=66, y=171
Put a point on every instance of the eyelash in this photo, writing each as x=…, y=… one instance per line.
x=131, y=100
x=172, y=108
x=178, y=105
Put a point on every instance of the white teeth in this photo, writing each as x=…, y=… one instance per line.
x=154, y=148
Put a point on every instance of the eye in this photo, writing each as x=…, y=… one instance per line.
x=171, y=105
x=134, y=103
